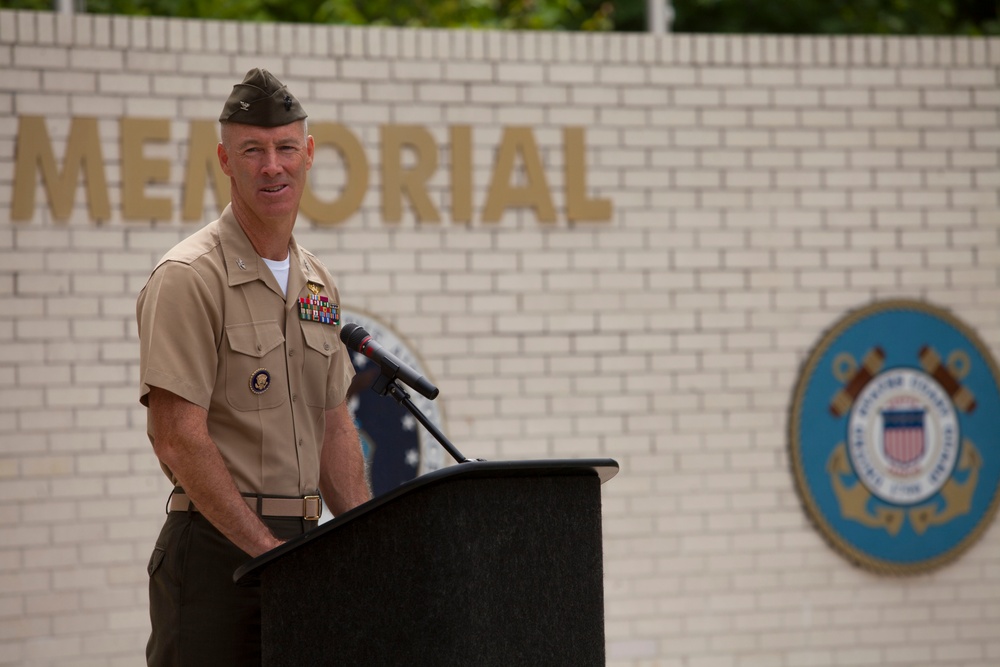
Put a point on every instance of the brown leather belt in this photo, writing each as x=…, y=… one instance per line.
x=309, y=508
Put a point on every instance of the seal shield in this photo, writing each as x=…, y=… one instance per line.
x=894, y=436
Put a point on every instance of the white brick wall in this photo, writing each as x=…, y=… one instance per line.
x=762, y=185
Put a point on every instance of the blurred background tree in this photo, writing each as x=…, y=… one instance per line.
x=840, y=17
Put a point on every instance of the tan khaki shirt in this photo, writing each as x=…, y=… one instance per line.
x=215, y=329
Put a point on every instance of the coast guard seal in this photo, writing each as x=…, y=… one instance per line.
x=894, y=437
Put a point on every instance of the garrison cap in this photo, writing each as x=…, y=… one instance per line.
x=261, y=100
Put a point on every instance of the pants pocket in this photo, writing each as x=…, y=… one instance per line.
x=155, y=560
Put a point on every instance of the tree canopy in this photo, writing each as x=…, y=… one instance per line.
x=839, y=17
x=844, y=17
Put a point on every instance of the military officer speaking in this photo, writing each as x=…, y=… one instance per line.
x=245, y=380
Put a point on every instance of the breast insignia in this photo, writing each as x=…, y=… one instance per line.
x=260, y=380
x=319, y=309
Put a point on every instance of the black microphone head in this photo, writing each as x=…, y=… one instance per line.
x=346, y=331
x=353, y=335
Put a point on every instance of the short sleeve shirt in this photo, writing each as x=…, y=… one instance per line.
x=215, y=329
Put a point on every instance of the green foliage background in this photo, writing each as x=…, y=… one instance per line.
x=888, y=17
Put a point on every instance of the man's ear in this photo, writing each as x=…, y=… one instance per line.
x=223, y=159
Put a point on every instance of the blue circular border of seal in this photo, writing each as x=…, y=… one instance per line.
x=816, y=501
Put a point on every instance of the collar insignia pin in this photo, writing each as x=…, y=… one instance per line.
x=239, y=263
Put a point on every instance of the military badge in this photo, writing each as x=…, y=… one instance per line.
x=894, y=437
x=260, y=380
x=319, y=309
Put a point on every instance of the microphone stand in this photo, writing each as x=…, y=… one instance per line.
x=386, y=385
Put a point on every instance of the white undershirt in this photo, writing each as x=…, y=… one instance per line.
x=280, y=271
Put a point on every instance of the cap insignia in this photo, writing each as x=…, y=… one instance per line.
x=262, y=100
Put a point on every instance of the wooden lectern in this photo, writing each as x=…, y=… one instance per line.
x=478, y=564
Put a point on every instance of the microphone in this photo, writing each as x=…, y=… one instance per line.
x=359, y=340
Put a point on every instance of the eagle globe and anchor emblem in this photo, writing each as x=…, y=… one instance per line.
x=895, y=437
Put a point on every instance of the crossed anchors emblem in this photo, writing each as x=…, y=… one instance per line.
x=854, y=500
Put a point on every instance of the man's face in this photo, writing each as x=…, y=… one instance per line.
x=267, y=167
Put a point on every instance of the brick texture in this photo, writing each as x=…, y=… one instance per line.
x=761, y=187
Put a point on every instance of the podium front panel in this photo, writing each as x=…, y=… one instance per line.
x=482, y=571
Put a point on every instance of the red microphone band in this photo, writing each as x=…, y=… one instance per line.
x=363, y=346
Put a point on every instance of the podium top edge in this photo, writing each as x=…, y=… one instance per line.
x=605, y=469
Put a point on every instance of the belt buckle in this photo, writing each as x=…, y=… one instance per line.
x=305, y=508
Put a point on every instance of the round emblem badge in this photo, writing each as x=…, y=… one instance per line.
x=260, y=380
x=895, y=437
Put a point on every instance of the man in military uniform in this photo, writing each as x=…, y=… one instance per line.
x=245, y=379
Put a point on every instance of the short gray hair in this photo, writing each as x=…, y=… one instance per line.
x=224, y=138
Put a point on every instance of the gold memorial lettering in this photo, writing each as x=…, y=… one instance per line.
x=413, y=181
x=461, y=173
x=408, y=163
x=355, y=185
x=202, y=160
x=138, y=170
x=578, y=206
x=83, y=150
x=535, y=193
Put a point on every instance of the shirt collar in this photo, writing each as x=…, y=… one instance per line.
x=244, y=265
